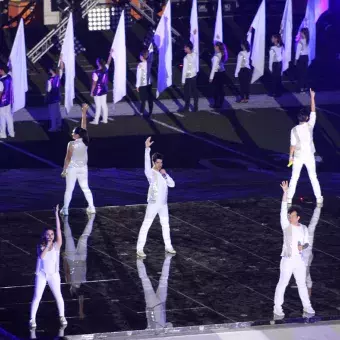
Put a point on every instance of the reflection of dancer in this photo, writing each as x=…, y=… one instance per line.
x=302, y=151
x=99, y=89
x=217, y=74
x=75, y=259
x=295, y=239
x=75, y=165
x=53, y=95
x=243, y=71
x=302, y=60
x=308, y=253
x=155, y=301
x=144, y=81
x=275, y=64
x=6, y=100
x=48, y=271
x=159, y=182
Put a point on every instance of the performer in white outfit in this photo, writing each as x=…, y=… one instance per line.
x=275, y=65
x=302, y=60
x=99, y=89
x=75, y=165
x=159, y=182
x=217, y=74
x=243, y=71
x=295, y=240
x=47, y=271
x=155, y=302
x=6, y=101
x=189, y=76
x=302, y=151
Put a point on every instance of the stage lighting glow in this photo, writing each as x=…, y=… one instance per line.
x=99, y=19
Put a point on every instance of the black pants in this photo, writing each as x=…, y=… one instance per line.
x=145, y=95
x=277, y=78
x=245, y=78
x=302, y=72
x=218, y=88
x=190, y=90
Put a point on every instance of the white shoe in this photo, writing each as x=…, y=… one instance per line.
x=278, y=311
x=319, y=201
x=64, y=211
x=170, y=251
x=141, y=254
x=104, y=121
x=91, y=210
x=94, y=122
x=63, y=321
x=3, y=136
x=309, y=310
x=32, y=323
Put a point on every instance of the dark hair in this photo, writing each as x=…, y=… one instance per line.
x=303, y=115
x=246, y=45
x=223, y=50
x=295, y=208
x=305, y=31
x=156, y=156
x=102, y=63
x=144, y=52
x=82, y=134
x=43, y=237
x=4, y=67
x=278, y=38
x=189, y=44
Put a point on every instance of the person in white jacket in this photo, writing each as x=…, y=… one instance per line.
x=302, y=60
x=275, y=65
x=295, y=240
x=159, y=181
x=302, y=151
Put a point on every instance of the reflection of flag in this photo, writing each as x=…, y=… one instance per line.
x=162, y=39
x=218, y=35
x=19, y=69
x=286, y=32
x=68, y=57
x=119, y=56
x=194, y=26
x=258, y=47
x=310, y=23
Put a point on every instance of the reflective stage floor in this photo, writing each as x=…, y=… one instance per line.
x=225, y=272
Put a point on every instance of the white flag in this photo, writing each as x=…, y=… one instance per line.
x=194, y=37
x=119, y=56
x=218, y=35
x=68, y=57
x=320, y=7
x=286, y=32
x=258, y=47
x=19, y=69
x=163, y=42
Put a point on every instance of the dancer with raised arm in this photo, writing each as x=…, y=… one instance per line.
x=75, y=165
x=47, y=271
x=302, y=151
x=295, y=240
x=159, y=181
x=99, y=89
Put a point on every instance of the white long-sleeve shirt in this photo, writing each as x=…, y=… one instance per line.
x=301, y=49
x=301, y=137
x=158, y=185
x=292, y=235
x=49, y=83
x=275, y=56
x=143, y=76
x=217, y=65
x=189, y=66
x=243, y=60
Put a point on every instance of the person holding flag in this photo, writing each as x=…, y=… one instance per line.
x=275, y=65
x=302, y=60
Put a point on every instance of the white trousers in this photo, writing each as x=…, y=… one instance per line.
x=55, y=115
x=151, y=211
x=101, y=104
x=40, y=283
x=6, y=122
x=309, y=162
x=292, y=265
x=80, y=174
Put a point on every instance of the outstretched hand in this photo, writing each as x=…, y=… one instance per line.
x=284, y=186
x=312, y=93
x=148, y=142
x=84, y=108
x=56, y=209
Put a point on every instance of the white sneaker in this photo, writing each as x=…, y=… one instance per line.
x=319, y=201
x=141, y=254
x=104, y=121
x=309, y=310
x=91, y=210
x=32, y=323
x=94, y=122
x=170, y=250
x=63, y=321
x=64, y=211
x=278, y=311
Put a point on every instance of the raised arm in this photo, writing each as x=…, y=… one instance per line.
x=67, y=158
x=57, y=220
x=284, y=207
x=109, y=59
x=313, y=223
x=84, y=109
x=147, y=160
x=312, y=117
